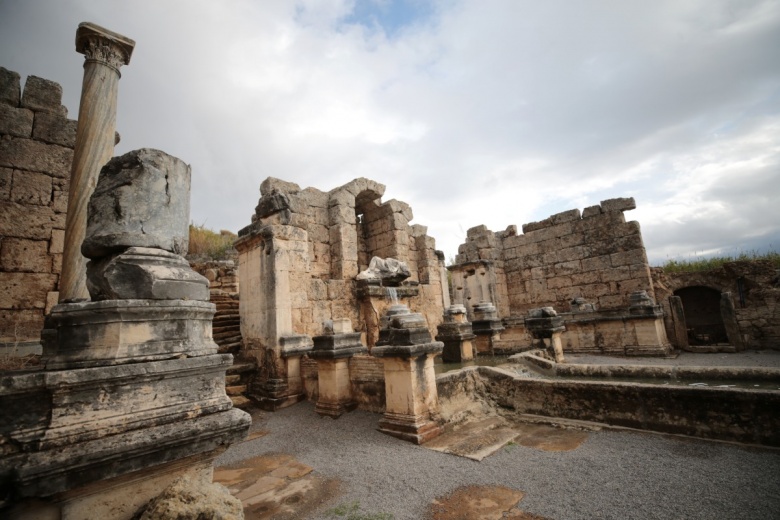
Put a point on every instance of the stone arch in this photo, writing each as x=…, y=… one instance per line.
x=703, y=318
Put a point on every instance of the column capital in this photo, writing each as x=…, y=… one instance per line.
x=104, y=46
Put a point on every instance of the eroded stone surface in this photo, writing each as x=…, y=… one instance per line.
x=482, y=502
x=276, y=486
x=142, y=199
x=188, y=500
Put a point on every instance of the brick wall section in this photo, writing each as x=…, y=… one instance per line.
x=595, y=254
x=36, y=151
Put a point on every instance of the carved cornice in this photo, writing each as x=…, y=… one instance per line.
x=103, y=46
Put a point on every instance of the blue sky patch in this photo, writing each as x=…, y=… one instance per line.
x=391, y=16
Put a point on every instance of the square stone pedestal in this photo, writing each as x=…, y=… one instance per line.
x=332, y=352
x=410, y=385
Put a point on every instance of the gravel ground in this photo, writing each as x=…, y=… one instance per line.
x=751, y=358
x=614, y=474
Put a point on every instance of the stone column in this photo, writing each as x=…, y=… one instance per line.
x=105, y=52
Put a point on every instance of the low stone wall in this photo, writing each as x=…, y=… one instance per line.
x=367, y=375
x=716, y=413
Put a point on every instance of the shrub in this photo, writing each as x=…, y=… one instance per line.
x=208, y=244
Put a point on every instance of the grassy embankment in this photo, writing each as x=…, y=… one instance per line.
x=694, y=265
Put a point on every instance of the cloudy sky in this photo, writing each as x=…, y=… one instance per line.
x=472, y=111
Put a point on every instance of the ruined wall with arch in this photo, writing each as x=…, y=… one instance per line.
x=754, y=286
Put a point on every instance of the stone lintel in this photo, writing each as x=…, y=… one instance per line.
x=408, y=351
x=89, y=32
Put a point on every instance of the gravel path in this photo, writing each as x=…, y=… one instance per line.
x=614, y=474
x=749, y=358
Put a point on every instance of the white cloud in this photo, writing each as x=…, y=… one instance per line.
x=497, y=113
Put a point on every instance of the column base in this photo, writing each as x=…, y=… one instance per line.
x=334, y=410
x=271, y=404
x=409, y=428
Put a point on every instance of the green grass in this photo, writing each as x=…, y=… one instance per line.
x=695, y=265
x=205, y=243
x=351, y=511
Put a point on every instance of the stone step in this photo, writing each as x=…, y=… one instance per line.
x=235, y=327
x=232, y=348
x=230, y=335
x=241, y=402
x=235, y=337
x=230, y=344
x=235, y=389
x=232, y=379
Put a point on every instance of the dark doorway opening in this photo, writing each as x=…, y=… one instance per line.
x=702, y=315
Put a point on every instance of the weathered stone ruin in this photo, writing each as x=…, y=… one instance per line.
x=133, y=386
x=130, y=395
x=591, y=267
x=301, y=261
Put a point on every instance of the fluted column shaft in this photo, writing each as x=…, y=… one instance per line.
x=105, y=52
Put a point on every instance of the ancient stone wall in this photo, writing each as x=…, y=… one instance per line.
x=36, y=151
x=755, y=290
x=595, y=255
x=320, y=241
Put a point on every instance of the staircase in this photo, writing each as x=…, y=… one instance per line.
x=226, y=331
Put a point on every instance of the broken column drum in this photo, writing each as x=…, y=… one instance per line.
x=133, y=381
x=412, y=406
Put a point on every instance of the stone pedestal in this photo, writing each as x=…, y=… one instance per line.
x=332, y=351
x=105, y=52
x=282, y=383
x=410, y=381
x=486, y=326
x=133, y=389
x=646, y=319
x=457, y=335
x=545, y=324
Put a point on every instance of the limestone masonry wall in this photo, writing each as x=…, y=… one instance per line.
x=595, y=255
x=36, y=151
